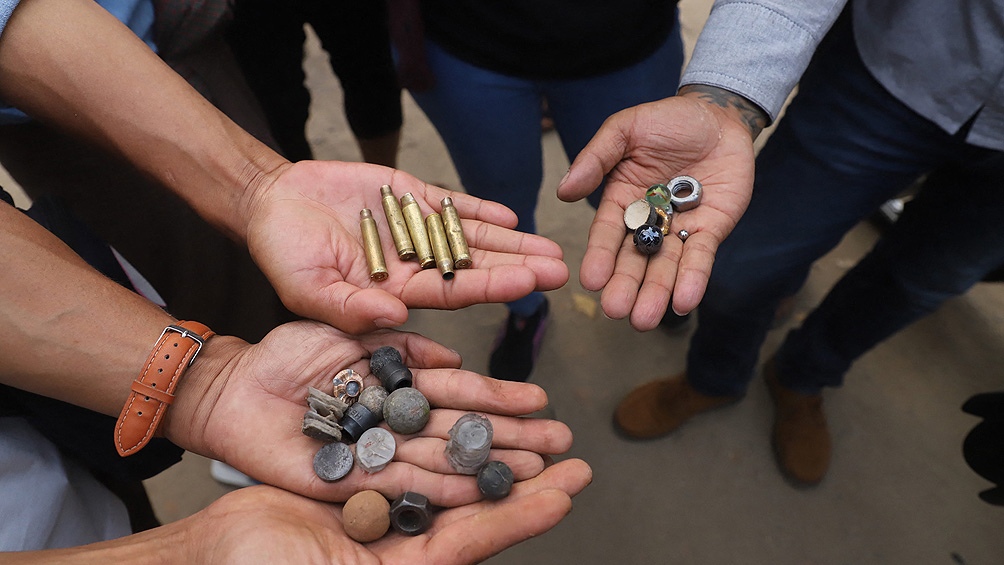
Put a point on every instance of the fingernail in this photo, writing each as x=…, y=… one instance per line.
x=564, y=178
x=384, y=323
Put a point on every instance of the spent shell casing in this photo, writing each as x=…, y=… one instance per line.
x=416, y=227
x=440, y=246
x=398, y=228
x=371, y=244
x=455, y=235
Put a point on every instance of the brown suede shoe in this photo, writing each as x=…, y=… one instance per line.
x=801, y=438
x=657, y=408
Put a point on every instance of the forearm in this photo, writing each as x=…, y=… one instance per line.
x=737, y=107
x=70, y=333
x=70, y=63
x=66, y=330
x=165, y=544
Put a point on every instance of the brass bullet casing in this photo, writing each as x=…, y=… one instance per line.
x=398, y=228
x=440, y=246
x=455, y=235
x=371, y=244
x=416, y=227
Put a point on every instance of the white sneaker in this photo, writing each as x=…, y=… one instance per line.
x=229, y=476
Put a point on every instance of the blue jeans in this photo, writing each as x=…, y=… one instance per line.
x=490, y=122
x=845, y=147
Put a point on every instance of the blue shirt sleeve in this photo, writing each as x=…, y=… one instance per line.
x=6, y=9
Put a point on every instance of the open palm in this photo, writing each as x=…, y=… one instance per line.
x=304, y=234
x=267, y=525
x=250, y=413
x=635, y=149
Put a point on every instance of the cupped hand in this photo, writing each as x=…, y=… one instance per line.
x=303, y=232
x=244, y=404
x=648, y=144
x=263, y=524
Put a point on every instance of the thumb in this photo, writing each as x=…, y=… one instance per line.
x=355, y=310
x=603, y=152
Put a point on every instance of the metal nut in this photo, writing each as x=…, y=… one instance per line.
x=684, y=193
x=410, y=514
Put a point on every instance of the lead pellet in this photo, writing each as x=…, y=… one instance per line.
x=371, y=243
x=398, y=227
x=416, y=227
x=440, y=247
x=455, y=235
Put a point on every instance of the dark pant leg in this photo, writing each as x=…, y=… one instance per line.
x=357, y=38
x=949, y=236
x=844, y=147
x=267, y=40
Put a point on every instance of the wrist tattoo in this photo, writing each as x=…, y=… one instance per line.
x=751, y=114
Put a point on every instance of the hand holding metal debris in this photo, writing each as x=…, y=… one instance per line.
x=260, y=397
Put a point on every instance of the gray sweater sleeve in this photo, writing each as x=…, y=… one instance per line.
x=6, y=9
x=760, y=48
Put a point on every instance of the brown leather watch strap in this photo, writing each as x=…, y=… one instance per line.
x=153, y=391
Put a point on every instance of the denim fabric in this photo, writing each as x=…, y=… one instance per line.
x=490, y=122
x=845, y=146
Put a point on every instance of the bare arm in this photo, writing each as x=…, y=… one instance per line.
x=70, y=63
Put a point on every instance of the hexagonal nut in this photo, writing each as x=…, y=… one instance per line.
x=410, y=514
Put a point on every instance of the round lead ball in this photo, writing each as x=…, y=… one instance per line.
x=366, y=516
x=373, y=397
x=333, y=461
x=406, y=410
x=648, y=239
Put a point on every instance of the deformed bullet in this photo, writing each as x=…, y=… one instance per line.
x=333, y=461
x=470, y=443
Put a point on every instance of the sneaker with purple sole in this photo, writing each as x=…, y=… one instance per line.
x=518, y=344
